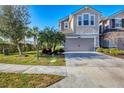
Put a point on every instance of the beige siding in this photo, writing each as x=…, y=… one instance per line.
x=62, y=24
x=82, y=29
x=119, y=15
x=87, y=29
x=112, y=38
x=69, y=20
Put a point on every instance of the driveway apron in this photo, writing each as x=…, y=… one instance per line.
x=92, y=70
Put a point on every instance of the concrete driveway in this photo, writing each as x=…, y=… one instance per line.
x=92, y=69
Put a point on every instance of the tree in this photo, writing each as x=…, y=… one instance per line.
x=1, y=40
x=3, y=45
x=50, y=38
x=13, y=24
x=59, y=39
x=34, y=32
x=46, y=37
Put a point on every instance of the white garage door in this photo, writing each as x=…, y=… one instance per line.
x=79, y=44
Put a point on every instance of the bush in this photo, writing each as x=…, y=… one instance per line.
x=13, y=48
x=5, y=52
x=55, y=52
x=111, y=51
x=27, y=47
x=58, y=51
x=99, y=49
x=106, y=51
x=114, y=51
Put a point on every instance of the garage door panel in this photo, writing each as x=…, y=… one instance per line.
x=79, y=44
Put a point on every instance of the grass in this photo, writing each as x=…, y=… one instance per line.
x=14, y=80
x=30, y=59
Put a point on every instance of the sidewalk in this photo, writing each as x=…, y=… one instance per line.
x=13, y=68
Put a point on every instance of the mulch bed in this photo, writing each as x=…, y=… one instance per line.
x=120, y=56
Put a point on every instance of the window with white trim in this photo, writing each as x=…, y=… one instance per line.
x=92, y=20
x=85, y=19
x=66, y=25
x=79, y=22
x=118, y=22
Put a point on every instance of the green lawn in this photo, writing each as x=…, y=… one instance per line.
x=14, y=80
x=30, y=59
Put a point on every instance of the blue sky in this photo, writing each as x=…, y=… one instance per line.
x=48, y=15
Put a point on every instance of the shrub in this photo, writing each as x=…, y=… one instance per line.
x=99, y=49
x=111, y=51
x=106, y=51
x=115, y=51
x=5, y=52
x=28, y=47
x=11, y=48
x=55, y=52
x=58, y=51
x=61, y=50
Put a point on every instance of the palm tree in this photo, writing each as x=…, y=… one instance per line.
x=50, y=38
x=46, y=37
x=34, y=33
x=59, y=39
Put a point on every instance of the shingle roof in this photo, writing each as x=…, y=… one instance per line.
x=79, y=10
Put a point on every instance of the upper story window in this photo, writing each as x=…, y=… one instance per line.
x=86, y=19
x=92, y=20
x=79, y=20
x=118, y=22
x=66, y=25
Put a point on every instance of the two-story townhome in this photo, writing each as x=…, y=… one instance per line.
x=112, y=31
x=81, y=29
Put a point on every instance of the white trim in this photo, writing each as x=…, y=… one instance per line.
x=66, y=22
x=95, y=42
x=87, y=33
x=72, y=24
x=81, y=36
x=115, y=22
x=93, y=19
x=78, y=20
x=83, y=19
x=98, y=20
x=109, y=24
x=89, y=20
x=63, y=18
x=115, y=14
x=89, y=8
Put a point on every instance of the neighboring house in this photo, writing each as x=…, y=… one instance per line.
x=5, y=39
x=25, y=41
x=81, y=29
x=112, y=31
